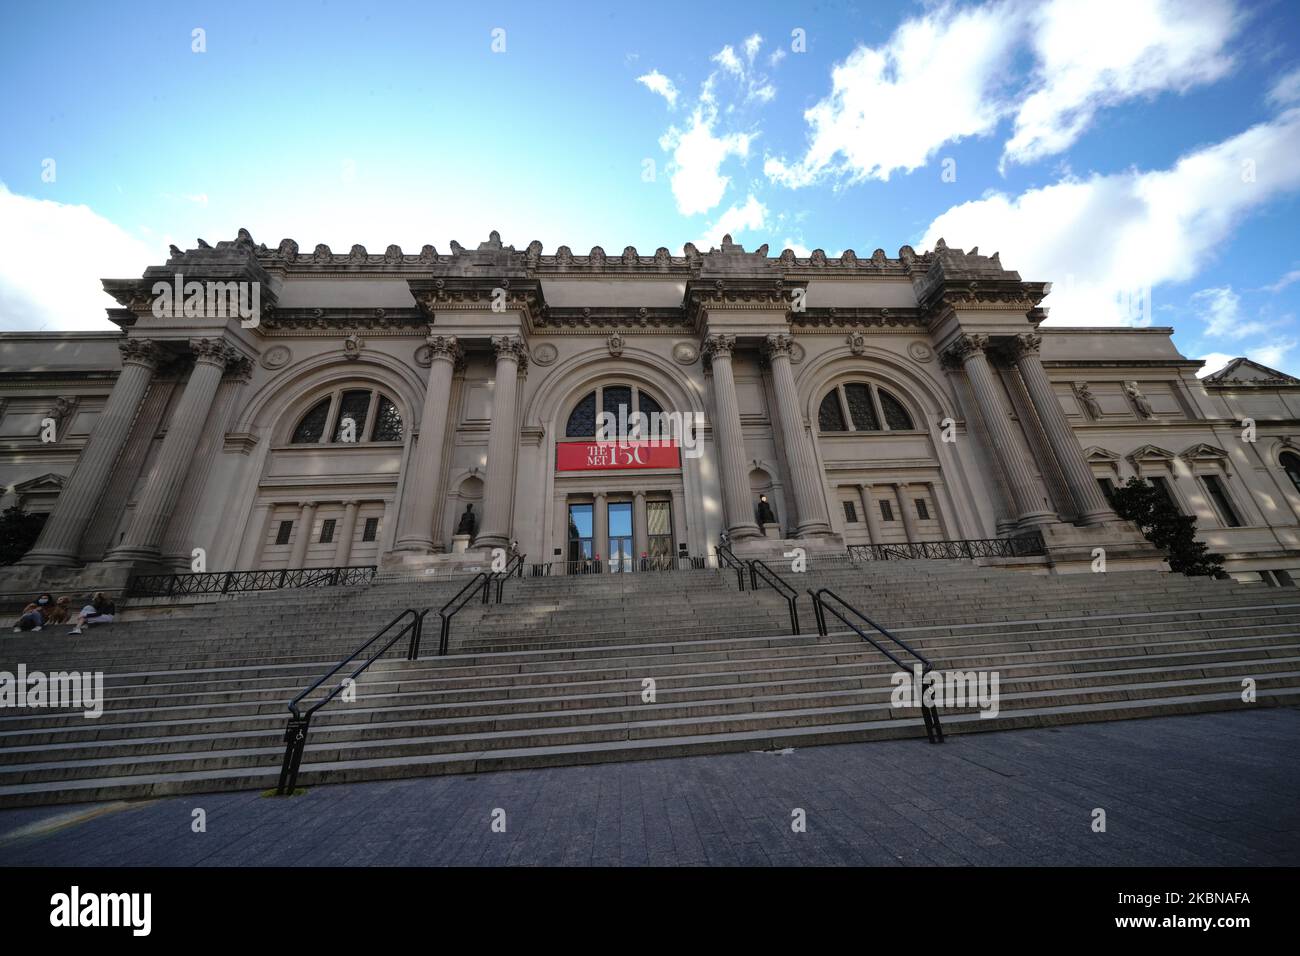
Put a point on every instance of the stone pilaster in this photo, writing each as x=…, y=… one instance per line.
x=810, y=502
x=968, y=351
x=502, y=441
x=600, y=527
x=155, y=506
x=60, y=539
x=870, y=514
x=343, y=550
x=640, y=538
x=306, y=519
x=905, y=511
x=1089, y=502
x=425, y=461
x=731, y=440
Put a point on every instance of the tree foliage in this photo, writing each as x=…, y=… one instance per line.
x=1164, y=526
x=18, y=532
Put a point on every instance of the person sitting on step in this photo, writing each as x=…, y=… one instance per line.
x=35, y=613
x=100, y=610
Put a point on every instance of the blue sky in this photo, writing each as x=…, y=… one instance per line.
x=1140, y=154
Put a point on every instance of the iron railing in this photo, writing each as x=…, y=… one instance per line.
x=929, y=713
x=480, y=583
x=299, y=723
x=760, y=570
x=727, y=558
x=225, y=582
x=514, y=568
x=545, y=569
x=1024, y=545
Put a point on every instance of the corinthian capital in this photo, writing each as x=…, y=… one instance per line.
x=443, y=347
x=213, y=351
x=965, y=347
x=1027, y=343
x=778, y=343
x=140, y=351
x=508, y=347
x=719, y=346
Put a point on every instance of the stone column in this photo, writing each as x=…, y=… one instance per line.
x=731, y=440
x=679, y=521
x=1089, y=502
x=60, y=539
x=640, y=535
x=905, y=510
x=968, y=352
x=600, y=527
x=809, y=501
x=306, y=519
x=502, y=441
x=343, y=550
x=154, y=508
x=871, y=514
x=425, y=461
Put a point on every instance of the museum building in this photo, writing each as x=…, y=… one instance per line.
x=401, y=410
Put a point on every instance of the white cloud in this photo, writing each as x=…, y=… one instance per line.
x=1286, y=90
x=698, y=153
x=1214, y=361
x=952, y=73
x=752, y=44
x=656, y=82
x=1274, y=354
x=798, y=248
x=727, y=59
x=776, y=56
x=738, y=218
x=1282, y=283
x=1101, y=238
x=48, y=279
x=1091, y=54
x=891, y=107
x=1220, y=309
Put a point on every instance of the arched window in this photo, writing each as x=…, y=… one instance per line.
x=1291, y=465
x=609, y=399
x=860, y=407
x=350, y=415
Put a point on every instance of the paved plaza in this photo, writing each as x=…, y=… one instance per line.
x=1214, y=789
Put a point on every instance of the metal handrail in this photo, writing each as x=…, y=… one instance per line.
x=299, y=723
x=727, y=556
x=515, y=567
x=929, y=713
x=1018, y=546
x=760, y=569
x=481, y=581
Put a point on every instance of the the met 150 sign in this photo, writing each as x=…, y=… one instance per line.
x=615, y=455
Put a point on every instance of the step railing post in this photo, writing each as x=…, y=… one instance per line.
x=295, y=740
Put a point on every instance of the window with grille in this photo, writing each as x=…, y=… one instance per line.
x=659, y=528
x=371, y=530
x=850, y=512
x=1219, y=495
x=922, y=509
x=283, y=533
x=859, y=407
x=886, y=511
x=357, y=414
x=830, y=418
x=610, y=399
x=327, y=531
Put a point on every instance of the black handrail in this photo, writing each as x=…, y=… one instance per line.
x=481, y=581
x=515, y=567
x=727, y=557
x=226, y=582
x=929, y=713
x=759, y=569
x=295, y=731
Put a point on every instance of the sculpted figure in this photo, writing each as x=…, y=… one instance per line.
x=467, y=522
x=1089, y=400
x=1139, y=400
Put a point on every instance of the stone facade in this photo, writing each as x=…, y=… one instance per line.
x=372, y=397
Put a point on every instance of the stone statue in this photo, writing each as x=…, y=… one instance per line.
x=467, y=522
x=1089, y=400
x=1140, y=402
x=765, y=515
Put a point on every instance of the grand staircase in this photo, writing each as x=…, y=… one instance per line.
x=561, y=672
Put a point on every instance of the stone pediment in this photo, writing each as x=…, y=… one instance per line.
x=1242, y=371
x=1204, y=452
x=1152, y=454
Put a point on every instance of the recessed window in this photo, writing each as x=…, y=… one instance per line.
x=1222, y=504
x=922, y=509
x=348, y=416
x=1291, y=465
x=859, y=407
x=327, y=531
x=850, y=513
x=617, y=400
x=1107, y=489
x=284, y=532
x=371, y=529
x=886, y=511
x=1162, y=485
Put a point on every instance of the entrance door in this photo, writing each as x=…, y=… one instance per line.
x=620, y=536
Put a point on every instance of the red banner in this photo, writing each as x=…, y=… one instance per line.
x=615, y=456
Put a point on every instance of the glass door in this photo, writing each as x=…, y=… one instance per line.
x=620, y=536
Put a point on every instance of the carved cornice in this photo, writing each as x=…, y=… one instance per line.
x=600, y=318
x=478, y=293
x=343, y=320
x=859, y=317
